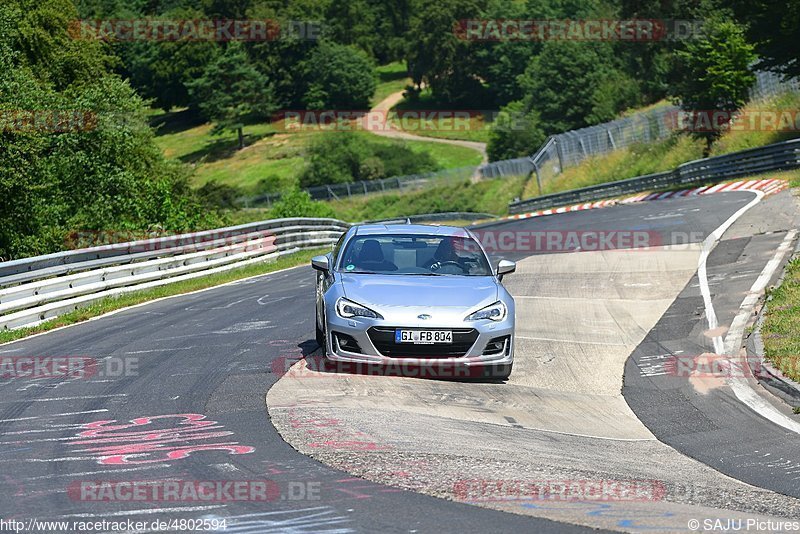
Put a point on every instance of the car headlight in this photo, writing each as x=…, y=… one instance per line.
x=494, y=312
x=347, y=309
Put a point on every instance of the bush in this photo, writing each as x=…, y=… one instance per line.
x=398, y=160
x=219, y=196
x=346, y=157
x=515, y=133
x=298, y=203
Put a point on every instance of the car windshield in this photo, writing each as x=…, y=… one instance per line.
x=412, y=254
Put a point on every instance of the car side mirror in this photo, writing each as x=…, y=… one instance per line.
x=320, y=263
x=505, y=267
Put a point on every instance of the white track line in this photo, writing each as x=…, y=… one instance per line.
x=731, y=345
x=733, y=341
x=708, y=245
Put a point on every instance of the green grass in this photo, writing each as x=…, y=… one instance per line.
x=183, y=136
x=666, y=154
x=391, y=79
x=279, y=156
x=271, y=153
x=488, y=196
x=446, y=156
x=781, y=328
x=282, y=159
x=655, y=105
x=475, y=129
x=137, y=297
x=743, y=139
x=636, y=160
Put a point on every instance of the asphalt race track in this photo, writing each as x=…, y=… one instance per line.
x=180, y=386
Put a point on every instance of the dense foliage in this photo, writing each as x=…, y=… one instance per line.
x=108, y=173
x=98, y=169
x=346, y=156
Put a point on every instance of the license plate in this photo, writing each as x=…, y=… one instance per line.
x=423, y=337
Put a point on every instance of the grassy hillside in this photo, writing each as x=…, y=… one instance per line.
x=475, y=129
x=666, y=154
x=271, y=153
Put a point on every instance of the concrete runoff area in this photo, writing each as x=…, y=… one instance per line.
x=560, y=417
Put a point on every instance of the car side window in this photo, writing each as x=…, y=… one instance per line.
x=336, y=249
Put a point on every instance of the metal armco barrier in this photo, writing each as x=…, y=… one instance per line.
x=36, y=289
x=770, y=158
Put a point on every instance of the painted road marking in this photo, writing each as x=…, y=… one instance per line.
x=732, y=342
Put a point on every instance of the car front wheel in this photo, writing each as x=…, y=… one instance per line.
x=321, y=334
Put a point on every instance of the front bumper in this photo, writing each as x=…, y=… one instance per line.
x=370, y=342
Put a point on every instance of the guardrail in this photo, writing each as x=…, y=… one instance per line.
x=769, y=158
x=433, y=217
x=37, y=289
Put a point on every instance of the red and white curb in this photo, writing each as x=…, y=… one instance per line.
x=769, y=187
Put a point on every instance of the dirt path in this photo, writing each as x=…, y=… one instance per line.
x=394, y=132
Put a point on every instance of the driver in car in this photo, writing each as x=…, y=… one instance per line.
x=446, y=253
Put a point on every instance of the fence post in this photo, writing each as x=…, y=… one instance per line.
x=560, y=157
x=538, y=177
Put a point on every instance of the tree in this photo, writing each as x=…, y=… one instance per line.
x=231, y=91
x=515, y=133
x=161, y=70
x=102, y=173
x=714, y=74
x=773, y=26
x=339, y=77
x=440, y=58
x=575, y=84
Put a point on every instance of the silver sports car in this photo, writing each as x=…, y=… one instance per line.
x=414, y=294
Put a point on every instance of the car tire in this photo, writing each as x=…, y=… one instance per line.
x=321, y=338
x=499, y=372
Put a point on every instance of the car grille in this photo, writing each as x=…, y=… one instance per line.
x=383, y=339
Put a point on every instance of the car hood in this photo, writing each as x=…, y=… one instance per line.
x=420, y=291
